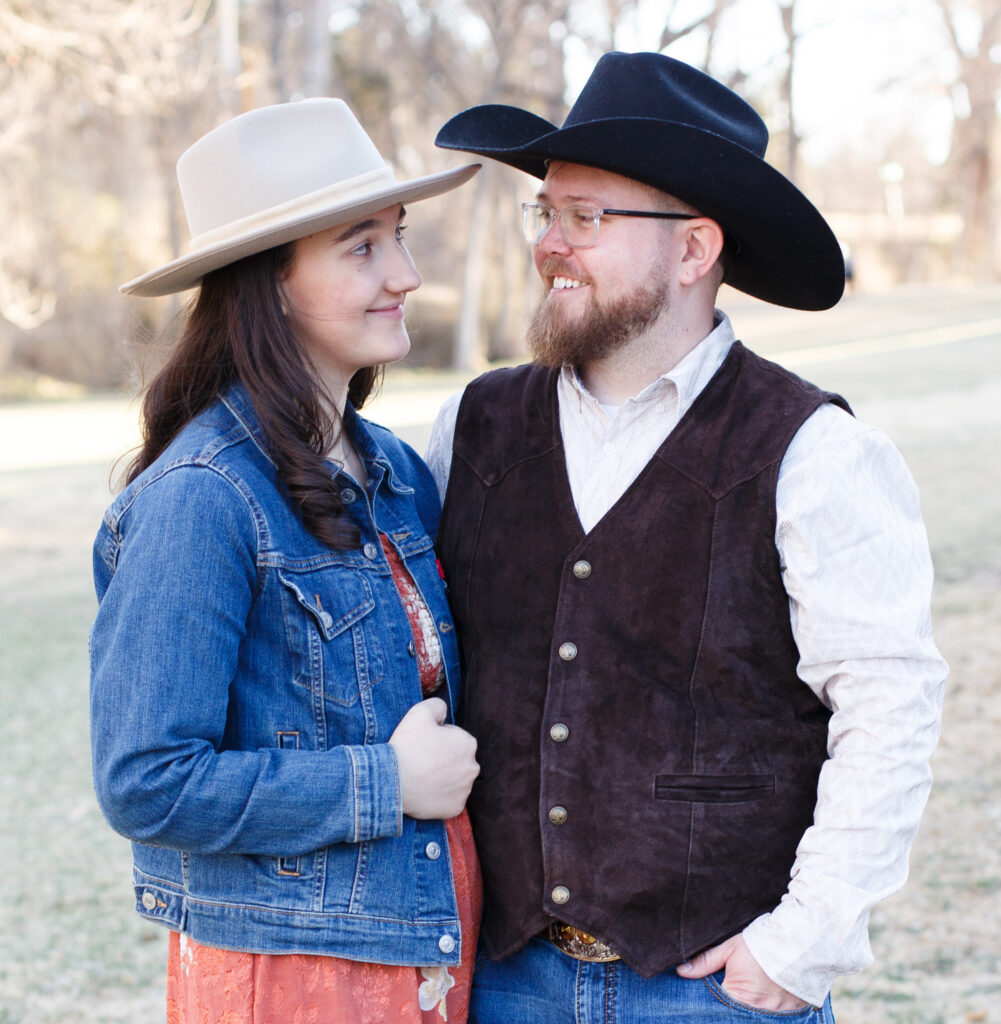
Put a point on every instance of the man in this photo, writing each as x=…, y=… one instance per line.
x=692, y=590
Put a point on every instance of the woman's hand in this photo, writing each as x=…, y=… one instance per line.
x=437, y=762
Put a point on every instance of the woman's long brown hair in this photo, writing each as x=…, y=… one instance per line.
x=236, y=332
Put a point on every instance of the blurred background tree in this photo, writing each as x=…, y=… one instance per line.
x=97, y=100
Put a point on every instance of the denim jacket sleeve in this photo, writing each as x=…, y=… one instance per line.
x=177, y=572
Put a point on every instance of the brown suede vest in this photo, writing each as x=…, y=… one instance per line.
x=686, y=750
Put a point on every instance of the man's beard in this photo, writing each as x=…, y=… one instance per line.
x=556, y=339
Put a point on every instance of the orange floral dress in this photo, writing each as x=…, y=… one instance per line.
x=206, y=985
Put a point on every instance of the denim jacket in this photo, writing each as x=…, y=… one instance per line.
x=245, y=679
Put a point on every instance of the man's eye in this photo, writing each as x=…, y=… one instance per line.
x=583, y=218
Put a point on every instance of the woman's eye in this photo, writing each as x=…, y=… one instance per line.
x=400, y=231
x=362, y=250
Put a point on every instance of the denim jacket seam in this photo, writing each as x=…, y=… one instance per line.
x=236, y=482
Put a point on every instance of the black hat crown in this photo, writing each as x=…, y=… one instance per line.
x=664, y=123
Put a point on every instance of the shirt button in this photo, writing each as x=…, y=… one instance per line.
x=608, y=448
x=560, y=895
x=446, y=943
x=370, y=551
x=568, y=651
x=558, y=732
x=148, y=900
x=558, y=815
x=348, y=495
x=432, y=851
x=582, y=569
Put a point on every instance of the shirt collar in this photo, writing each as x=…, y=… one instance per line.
x=687, y=378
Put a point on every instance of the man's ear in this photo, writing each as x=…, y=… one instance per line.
x=703, y=245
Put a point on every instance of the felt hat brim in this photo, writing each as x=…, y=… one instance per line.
x=784, y=250
x=290, y=221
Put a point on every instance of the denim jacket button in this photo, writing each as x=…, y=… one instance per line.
x=446, y=943
x=432, y=851
x=370, y=551
x=348, y=495
x=148, y=900
x=327, y=619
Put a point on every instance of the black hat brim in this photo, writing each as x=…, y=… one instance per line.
x=785, y=252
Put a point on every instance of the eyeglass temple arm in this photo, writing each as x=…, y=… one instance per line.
x=652, y=213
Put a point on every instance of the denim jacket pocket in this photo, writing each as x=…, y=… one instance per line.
x=331, y=632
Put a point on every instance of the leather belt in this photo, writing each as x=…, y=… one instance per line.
x=579, y=944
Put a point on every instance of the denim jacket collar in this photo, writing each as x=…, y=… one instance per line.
x=379, y=467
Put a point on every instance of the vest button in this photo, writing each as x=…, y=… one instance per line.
x=568, y=651
x=582, y=569
x=446, y=943
x=558, y=732
x=432, y=851
x=558, y=815
x=560, y=895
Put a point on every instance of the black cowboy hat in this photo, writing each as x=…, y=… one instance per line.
x=654, y=119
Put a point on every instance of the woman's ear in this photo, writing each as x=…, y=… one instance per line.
x=703, y=245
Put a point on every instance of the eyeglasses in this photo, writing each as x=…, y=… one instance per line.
x=578, y=224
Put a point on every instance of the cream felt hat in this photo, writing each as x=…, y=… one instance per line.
x=276, y=174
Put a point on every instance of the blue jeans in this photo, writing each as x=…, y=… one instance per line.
x=541, y=985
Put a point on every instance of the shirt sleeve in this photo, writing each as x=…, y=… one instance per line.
x=855, y=563
x=439, y=450
x=166, y=646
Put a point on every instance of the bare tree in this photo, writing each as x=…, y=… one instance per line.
x=74, y=82
x=787, y=13
x=973, y=146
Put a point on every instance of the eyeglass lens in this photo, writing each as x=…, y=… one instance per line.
x=579, y=224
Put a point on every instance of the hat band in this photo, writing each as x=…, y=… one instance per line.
x=324, y=200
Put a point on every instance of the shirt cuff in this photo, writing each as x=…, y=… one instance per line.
x=802, y=956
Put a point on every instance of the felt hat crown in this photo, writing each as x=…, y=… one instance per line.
x=659, y=121
x=276, y=174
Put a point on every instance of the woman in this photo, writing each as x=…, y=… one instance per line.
x=273, y=666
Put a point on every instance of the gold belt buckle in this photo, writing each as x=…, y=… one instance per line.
x=580, y=944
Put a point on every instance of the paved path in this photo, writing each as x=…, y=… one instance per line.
x=920, y=326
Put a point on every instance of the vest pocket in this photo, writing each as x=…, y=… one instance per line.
x=714, y=789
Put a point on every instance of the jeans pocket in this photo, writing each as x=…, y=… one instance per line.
x=745, y=1012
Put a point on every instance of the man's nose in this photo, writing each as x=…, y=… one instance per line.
x=554, y=241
